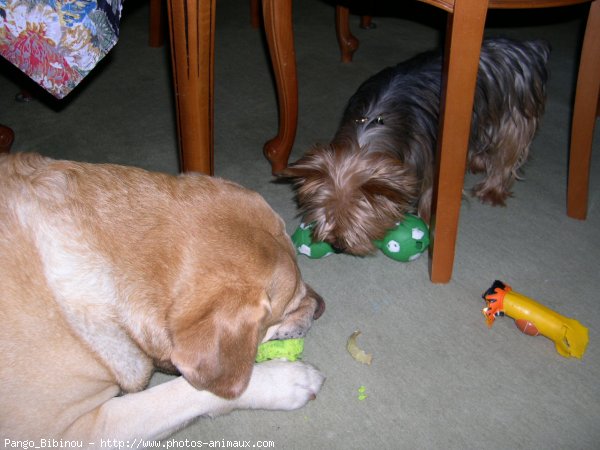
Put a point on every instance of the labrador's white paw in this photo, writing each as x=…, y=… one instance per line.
x=280, y=384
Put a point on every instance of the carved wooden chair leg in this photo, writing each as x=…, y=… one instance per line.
x=277, y=16
x=346, y=40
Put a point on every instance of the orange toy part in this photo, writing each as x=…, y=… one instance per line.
x=494, y=297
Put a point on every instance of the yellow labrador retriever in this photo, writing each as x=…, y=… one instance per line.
x=109, y=272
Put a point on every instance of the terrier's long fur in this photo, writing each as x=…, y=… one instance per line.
x=380, y=163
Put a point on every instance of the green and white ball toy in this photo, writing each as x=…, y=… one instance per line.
x=405, y=242
x=302, y=239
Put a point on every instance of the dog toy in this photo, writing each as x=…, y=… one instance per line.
x=290, y=349
x=302, y=239
x=405, y=242
x=532, y=318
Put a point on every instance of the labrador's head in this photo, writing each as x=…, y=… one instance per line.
x=247, y=291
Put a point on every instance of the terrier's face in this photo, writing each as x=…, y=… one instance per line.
x=352, y=196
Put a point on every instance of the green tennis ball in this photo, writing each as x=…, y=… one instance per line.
x=290, y=349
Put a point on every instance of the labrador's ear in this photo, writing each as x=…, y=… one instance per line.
x=215, y=342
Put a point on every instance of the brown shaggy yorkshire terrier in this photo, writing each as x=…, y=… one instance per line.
x=380, y=163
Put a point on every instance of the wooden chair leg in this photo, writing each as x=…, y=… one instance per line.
x=277, y=16
x=461, y=60
x=346, y=40
x=584, y=117
x=157, y=24
x=366, y=22
x=7, y=136
x=192, y=28
x=255, y=13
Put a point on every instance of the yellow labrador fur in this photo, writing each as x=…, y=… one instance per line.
x=109, y=272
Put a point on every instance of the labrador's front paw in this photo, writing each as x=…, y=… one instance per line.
x=281, y=385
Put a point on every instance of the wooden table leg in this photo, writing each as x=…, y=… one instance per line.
x=277, y=16
x=192, y=29
x=461, y=60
